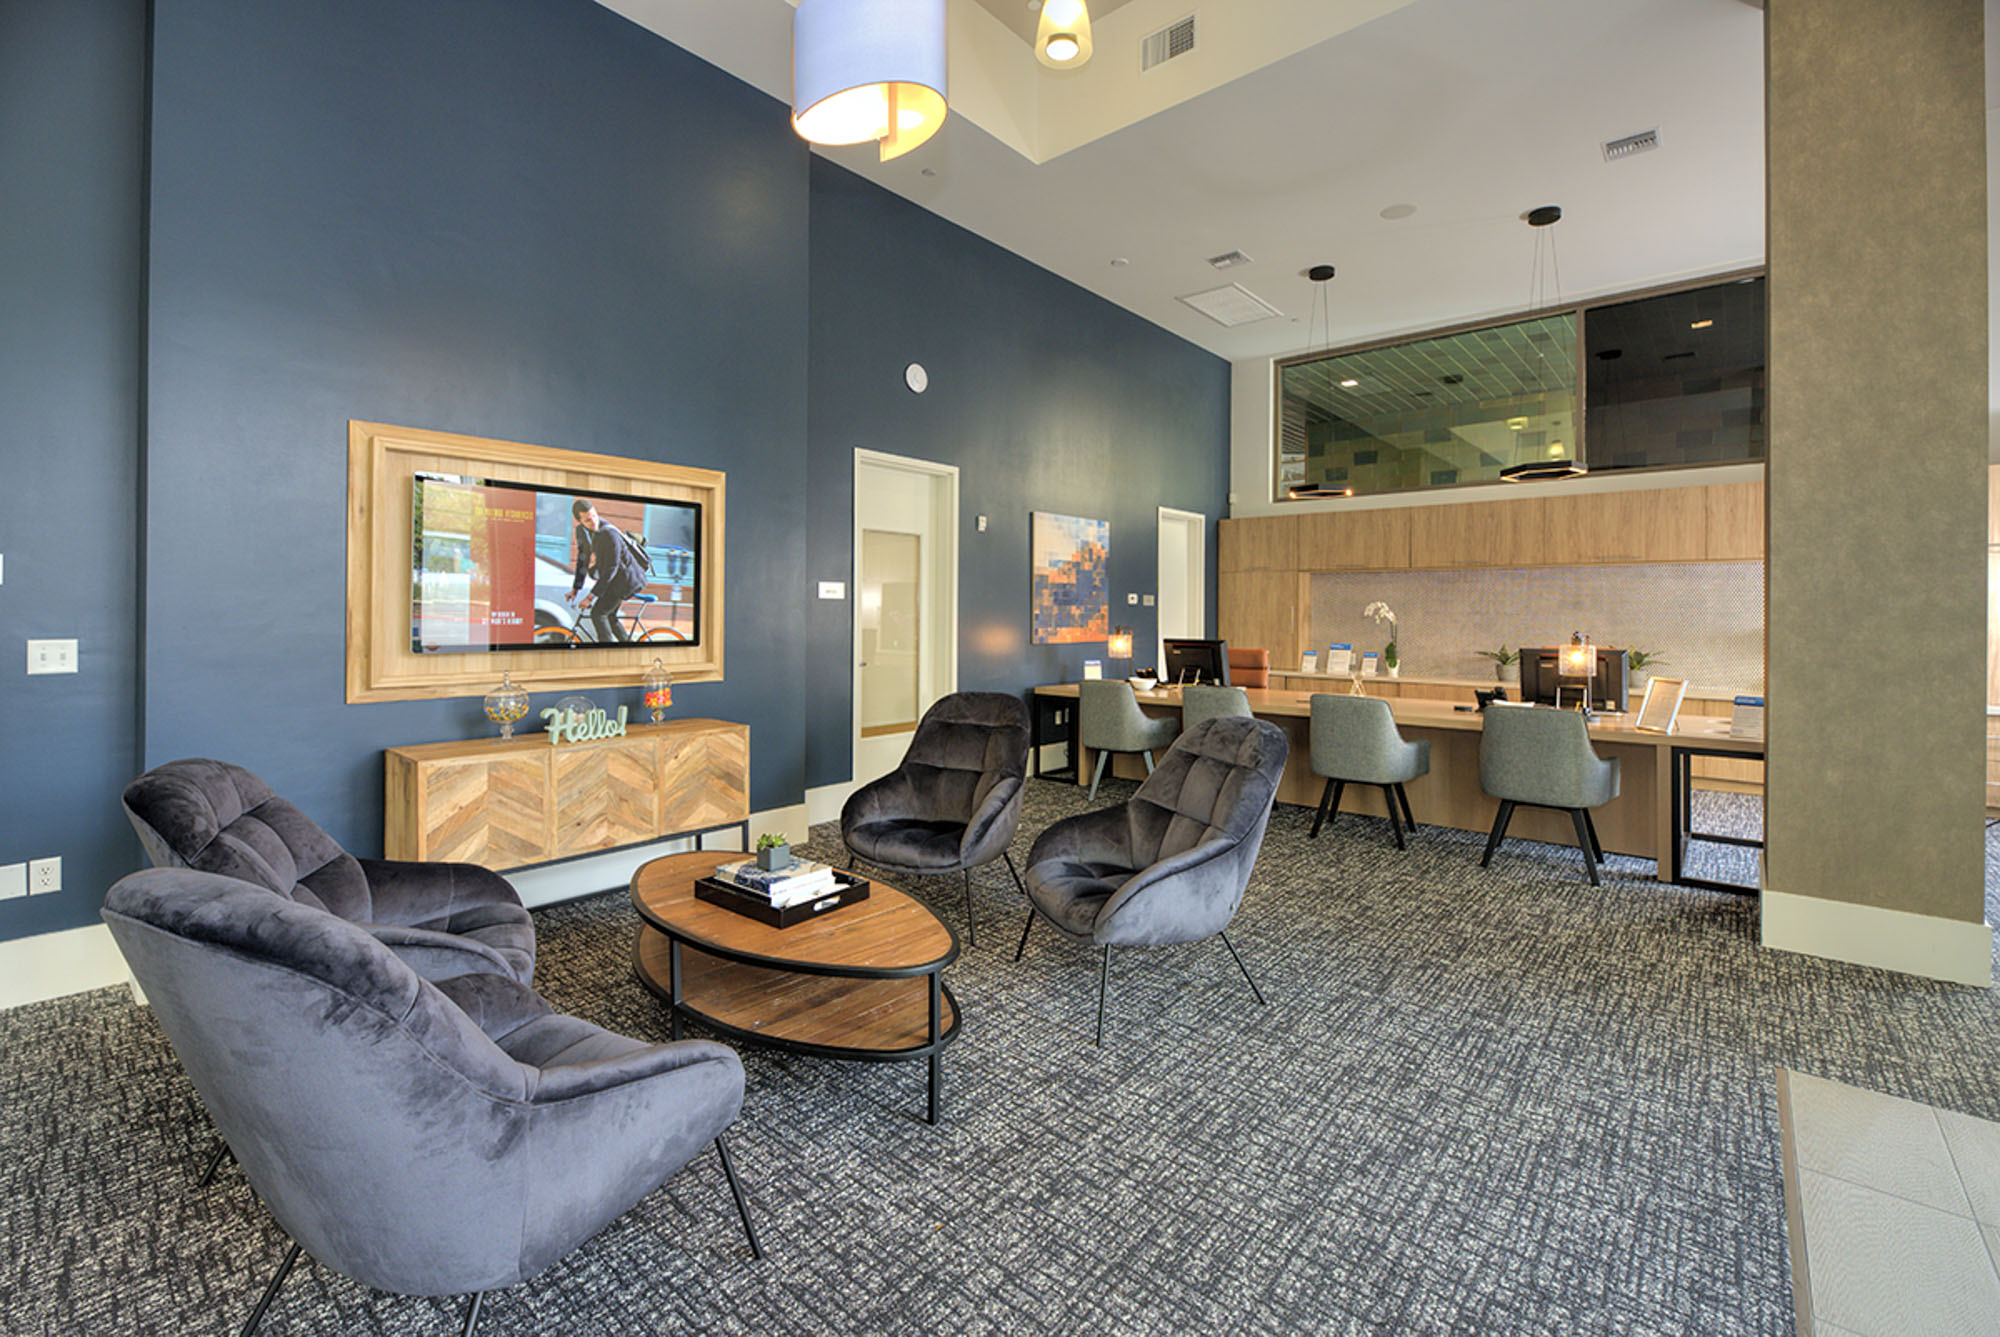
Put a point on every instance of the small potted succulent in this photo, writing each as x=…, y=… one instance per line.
x=774, y=851
x=1506, y=663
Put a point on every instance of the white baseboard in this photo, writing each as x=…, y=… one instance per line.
x=549, y=884
x=1866, y=935
x=824, y=803
x=53, y=965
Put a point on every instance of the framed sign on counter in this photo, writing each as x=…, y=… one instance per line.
x=1662, y=705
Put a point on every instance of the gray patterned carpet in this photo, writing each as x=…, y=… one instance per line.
x=1478, y=1103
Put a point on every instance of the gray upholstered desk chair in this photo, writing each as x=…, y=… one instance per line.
x=422, y=1138
x=1355, y=742
x=1171, y=865
x=1109, y=720
x=1541, y=758
x=1205, y=701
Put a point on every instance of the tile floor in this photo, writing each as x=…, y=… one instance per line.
x=1894, y=1213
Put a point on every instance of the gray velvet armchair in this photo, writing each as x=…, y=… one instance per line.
x=1540, y=758
x=444, y=919
x=1170, y=865
x=954, y=804
x=422, y=1138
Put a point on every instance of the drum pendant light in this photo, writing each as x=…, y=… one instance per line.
x=869, y=70
x=1062, y=39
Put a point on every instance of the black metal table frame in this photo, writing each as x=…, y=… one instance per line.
x=1682, y=763
x=932, y=1049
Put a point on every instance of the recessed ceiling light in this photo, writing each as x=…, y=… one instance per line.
x=1518, y=424
x=1396, y=211
x=1120, y=263
x=1701, y=324
x=1349, y=384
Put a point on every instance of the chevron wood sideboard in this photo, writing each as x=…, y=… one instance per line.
x=507, y=803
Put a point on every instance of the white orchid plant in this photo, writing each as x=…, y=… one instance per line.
x=1381, y=612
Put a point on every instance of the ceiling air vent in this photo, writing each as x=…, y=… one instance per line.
x=1230, y=305
x=1643, y=142
x=1176, y=39
x=1229, y=260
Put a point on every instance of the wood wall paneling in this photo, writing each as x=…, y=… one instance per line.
x=1264, y=609
x=1478, y=534
x=1262, y=543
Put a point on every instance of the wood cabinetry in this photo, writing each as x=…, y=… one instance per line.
x=1735, y=522
x=1265, y=609
x=1265, y=543
x=1478, y=534
x=1656, y=525
x=507, y=803
x=1377, y=540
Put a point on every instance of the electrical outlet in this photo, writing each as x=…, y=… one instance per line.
x=44, y=876
x=13, y=881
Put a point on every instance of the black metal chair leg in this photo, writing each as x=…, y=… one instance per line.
x=214, y=1164
x=1409, y=818
x=1319, y=815
x=271, y=1291
x=971, y=930
x=1245, y=969
x=1583, y=843
x=1019, y=885
x=1596, y=845
x=736, y=1192
x=472, y=1314
x=1024, y=934
x=1103, y=988
x=1500, y=820
x=1395, y=820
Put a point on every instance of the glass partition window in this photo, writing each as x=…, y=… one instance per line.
x=1668, y=380
x=1435, y=412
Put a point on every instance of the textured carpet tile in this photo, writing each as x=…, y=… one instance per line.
x=1478, y=1102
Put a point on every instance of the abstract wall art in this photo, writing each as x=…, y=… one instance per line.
x=1071, y=556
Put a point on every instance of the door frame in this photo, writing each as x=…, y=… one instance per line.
x=1195, y=577
x=940, y=566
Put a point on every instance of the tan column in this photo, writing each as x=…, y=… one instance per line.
x=1877, y=410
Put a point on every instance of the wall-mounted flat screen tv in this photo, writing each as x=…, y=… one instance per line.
x=518, y=566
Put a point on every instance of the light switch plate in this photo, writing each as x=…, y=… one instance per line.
x=13, y=880
x=1148, y=601
x=51, y=656
x=982, y=524
x=1131, y=598
x=833, y=589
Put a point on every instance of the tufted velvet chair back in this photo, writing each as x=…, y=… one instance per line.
x=967, y=745
x=1217, y=781
x=219, y=818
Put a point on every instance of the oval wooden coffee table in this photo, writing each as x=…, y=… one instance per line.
x=865, y=981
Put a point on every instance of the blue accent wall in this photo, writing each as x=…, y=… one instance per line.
x=507, y=218
x=1046, y=397
x=72, y=152
x=526, y=219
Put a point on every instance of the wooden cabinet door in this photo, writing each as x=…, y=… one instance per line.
x=1653, y=525
x=1263, y=610
x=490, y=811
x=1262, y=543
x=1478, y=534
x=1372, y=540
x=1735, y=522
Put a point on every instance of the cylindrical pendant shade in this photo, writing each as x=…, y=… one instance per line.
x=869, y=70
x=1062, y=38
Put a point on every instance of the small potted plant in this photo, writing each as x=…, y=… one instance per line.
x=774, y=851
x=1503, y=661
x=1641, y=663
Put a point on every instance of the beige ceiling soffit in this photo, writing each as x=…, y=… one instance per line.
x=995, y=77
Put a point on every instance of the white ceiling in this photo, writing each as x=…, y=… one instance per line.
x=1474, y=111
x=1024, y=16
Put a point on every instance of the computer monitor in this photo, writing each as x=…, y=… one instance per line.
x=1609, y=685
x=1197, y=661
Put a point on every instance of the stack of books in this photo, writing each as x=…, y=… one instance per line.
x=803, y=881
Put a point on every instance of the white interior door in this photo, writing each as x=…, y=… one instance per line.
x=1182, y=583
x=905, y=602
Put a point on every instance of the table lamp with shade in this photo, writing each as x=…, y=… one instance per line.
x=1576, y=661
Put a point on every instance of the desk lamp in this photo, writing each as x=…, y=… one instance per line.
x=1578, y=659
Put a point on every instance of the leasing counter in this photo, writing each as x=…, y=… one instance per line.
x=1648, y=819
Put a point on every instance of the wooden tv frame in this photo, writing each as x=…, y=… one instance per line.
x=381, y=460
